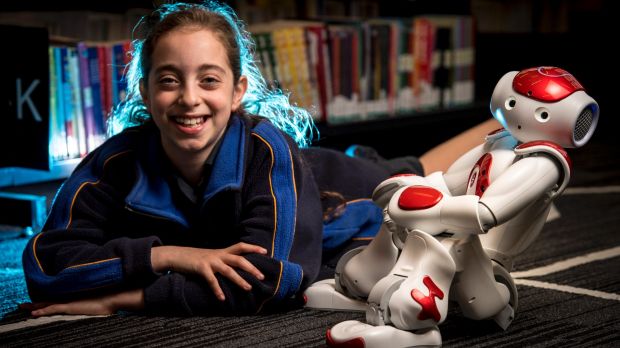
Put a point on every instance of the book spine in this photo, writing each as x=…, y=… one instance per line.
x=68, y=103
x=95, y=84
x=55, y=131
x=78, y=113
x=87, y=96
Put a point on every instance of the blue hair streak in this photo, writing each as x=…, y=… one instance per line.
x=259, y=99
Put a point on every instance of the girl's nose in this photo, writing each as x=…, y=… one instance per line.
x=189, y=96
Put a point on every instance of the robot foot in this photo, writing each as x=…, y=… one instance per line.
x=505, y=317
x=353, y=333
x=322, y=295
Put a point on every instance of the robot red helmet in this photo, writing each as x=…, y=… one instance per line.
x=545, y=103
x=545, y=83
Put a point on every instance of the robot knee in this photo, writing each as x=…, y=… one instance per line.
x=414, y=309
x=483, y=303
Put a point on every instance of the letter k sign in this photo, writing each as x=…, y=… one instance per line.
x=25, y=98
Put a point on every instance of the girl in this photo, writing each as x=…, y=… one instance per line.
x=201, y=207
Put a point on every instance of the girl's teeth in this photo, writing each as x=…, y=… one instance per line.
x=188, y=121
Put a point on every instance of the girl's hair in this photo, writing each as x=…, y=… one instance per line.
x=334, y=205
x=221, y=20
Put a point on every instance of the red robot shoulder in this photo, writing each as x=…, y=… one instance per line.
x=496, y=134
x=551, y=148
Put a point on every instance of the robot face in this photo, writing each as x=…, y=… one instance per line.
x=545, y=104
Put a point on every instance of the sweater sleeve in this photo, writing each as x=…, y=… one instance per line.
x=77, y=254
x=281, y=212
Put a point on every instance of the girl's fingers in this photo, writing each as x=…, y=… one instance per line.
x=245, y=248
x=244, y=264
x=215, y=286
x=231, y=274
x=50, y=310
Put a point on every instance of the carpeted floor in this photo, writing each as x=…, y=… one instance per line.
x=568, y=283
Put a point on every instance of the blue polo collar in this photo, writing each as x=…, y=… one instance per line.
x=227, y=172
x=151, y=193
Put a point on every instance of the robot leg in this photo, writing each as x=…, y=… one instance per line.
x=505, y=317
x=356, y=273
x=423, y=260
x=353, y=333
x=421, y=300
x=359, y=270
x=480, y=293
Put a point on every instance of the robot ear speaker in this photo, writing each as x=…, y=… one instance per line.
x=585, y=123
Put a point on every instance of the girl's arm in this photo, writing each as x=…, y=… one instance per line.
x=207, y=262
x=281, y=213
x=85, y=248
x=130, y=300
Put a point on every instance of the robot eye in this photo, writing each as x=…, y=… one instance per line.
x=542, y=115
x=510, y=103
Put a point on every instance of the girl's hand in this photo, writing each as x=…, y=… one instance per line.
x=104, y=305
x=207, y=262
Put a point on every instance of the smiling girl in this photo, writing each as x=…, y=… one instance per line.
x=201, y=207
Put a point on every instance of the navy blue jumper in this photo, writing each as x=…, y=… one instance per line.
x=124, y=198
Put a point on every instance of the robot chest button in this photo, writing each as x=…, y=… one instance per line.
x=419, y=197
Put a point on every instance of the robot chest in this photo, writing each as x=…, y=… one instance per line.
x=488, y=167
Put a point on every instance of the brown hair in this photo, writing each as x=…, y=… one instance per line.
x=259, y=99
x=333, y=211
x=190, y=16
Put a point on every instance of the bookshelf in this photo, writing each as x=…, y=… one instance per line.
x=384, y=88
x=407, y=135
x=98, y=25
x=445, y=116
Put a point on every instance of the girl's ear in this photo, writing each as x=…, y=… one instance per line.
x=239, y=92
x=144, y=94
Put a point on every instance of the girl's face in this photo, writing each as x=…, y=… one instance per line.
x=191, y=92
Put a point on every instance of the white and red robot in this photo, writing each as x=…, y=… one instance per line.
x=454, y=235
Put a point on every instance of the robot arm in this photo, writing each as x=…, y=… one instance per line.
x=428, y=209
x=433, y=211
x=526, y=181
x=456, y=177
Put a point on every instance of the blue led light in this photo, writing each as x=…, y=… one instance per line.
x=350, y=151
x=499, y=116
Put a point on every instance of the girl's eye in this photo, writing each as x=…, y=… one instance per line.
x=167, y=80
x=209, y=81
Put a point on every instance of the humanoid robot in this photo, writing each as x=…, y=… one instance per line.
x=454, y=235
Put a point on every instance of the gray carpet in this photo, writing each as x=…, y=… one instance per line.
x=590, y=222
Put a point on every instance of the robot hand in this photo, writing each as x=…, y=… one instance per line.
x=427, y=209
x=384, y=191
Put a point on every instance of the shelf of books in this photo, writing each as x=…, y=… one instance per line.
x=344, y=72
x=352, y=71
x=86, y=81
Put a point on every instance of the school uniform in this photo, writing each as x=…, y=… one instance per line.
x=126, y=198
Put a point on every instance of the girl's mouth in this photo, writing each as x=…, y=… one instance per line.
x=190, y=122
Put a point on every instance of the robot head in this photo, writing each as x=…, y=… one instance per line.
x=545, y=103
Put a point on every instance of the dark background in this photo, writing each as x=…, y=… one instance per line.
x=576, y=35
